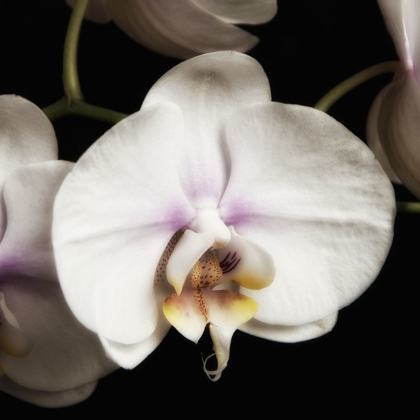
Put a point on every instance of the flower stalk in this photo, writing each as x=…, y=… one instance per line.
x=73, y=102
x=408, y=207
x=70, y=73
x=329, y=99
x=62, y=109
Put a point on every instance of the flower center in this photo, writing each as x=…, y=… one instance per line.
x=199, y=273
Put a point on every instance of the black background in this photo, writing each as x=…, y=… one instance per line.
x=365, y=365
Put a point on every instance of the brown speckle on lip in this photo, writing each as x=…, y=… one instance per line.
x=206, y=271
x=160, y=274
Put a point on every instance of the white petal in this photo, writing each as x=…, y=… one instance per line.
x=208, y=89
x=312, y=195
x=114, y=215
x=26, y=136
x=374, y=141
x=411, y=16
x=129, y=356
x=65, y=355
x=399, y=129
x=178, y=29
x=292, y=333
x=96, y=11
x=29, y=195
x=251, y=12
x=47, y=399
x=393, y=13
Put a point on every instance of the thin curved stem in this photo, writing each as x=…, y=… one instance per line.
x=353, y=81
x=96, y=112
x=408, y=207
x=70, y=73
x=63, y=108
x=57, y=110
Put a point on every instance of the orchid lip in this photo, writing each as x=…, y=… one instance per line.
x=201, y=302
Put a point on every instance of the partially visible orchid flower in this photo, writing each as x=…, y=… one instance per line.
x=213, y=206
x=393, y=128
x=46, y=356
x=185, y=28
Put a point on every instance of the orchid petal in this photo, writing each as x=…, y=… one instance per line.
x=374, y=141
x=47, y=399
x=246, y=263
x=96, y=11
x=208, y=91
x=399, y=128
x=64, y=354
x=178, y=29
x=29, y=194
x=290, y=333
x=190, y=247
x=401, y=20
x=26, y=136
x=251, y=12
x=322, y=207
x=411, y=12
x=395, y=114
x=129, y=356
x=393, y=12
x=114, y=215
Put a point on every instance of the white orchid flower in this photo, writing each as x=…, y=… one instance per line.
x=46, y=356
x=393, y=127
x=214, y=206
x=185, y=28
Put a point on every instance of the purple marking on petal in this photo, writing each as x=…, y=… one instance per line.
x=9, y=264
x=228, y=269
x=235, y=214
x=229, y=263
x=224, y=259
x=178, y=218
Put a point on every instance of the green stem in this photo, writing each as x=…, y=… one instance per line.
x=408, y=207
x=57, y=110
x=96, y=112
x=70, y=74
x=357, y=79
x=62, y=109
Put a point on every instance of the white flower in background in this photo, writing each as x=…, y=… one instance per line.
x=393, y=128
x=214, y=206
x=46, y=356
x=185, y=28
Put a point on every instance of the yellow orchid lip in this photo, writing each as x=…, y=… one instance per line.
x=196, y=304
